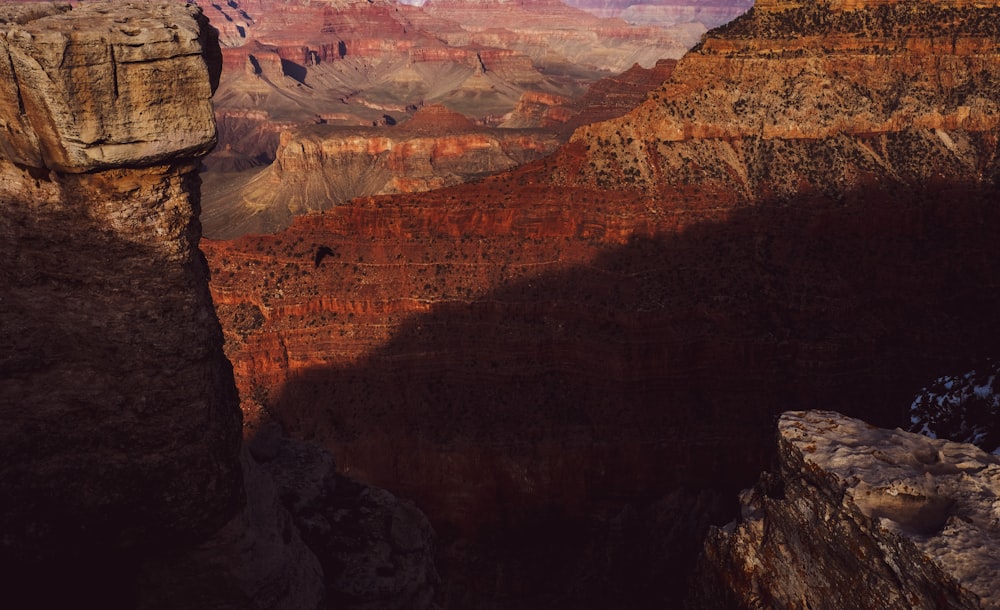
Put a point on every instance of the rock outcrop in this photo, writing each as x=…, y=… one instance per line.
x=860, y=517
x=68, y=97
x=777, y=89
x=122, y=478
x=319, y=167
x=376, y=550
x=122, y=425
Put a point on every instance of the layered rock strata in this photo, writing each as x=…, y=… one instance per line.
x=564, y=345
x=710, y=13
x=319, y=167
x=894, y=92
x=367, y=66
x=860, y=517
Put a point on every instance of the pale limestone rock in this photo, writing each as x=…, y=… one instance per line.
x=105, y=85
x=861, y=517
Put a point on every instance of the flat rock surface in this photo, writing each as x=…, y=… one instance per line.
x=860, y=517
x=941, y=496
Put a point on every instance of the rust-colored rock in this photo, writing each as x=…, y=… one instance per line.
x=320, y=166
x=357, y=64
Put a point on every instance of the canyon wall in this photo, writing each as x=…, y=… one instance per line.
x=709, y=13
x=855, y=516
x=319, y=167
x=899, y=92
x=368, y=67
x=572, y=365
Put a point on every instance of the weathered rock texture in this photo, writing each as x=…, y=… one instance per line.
x=532, y=356
x=860, y=517
x=902, y=93
x=122, y=426
x=319, y=166
x=376, y=550
x=129, y=89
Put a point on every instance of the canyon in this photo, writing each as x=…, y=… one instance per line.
x=575, y=365
x=711, y=14
x=349, y=71
x=317, y=167
x=571, y=367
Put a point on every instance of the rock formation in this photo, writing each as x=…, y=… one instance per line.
x=855, y=516
x=773, y=92
x=317, y=167
x=301, y=60
x=709, y=13
x=123, y=482
x=320, y=166
x=559, y=349
x=122, y=428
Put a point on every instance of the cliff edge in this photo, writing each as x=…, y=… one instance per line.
x=860, y=517
x=122, y=426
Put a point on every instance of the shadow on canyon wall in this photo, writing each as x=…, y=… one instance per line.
x=573, y=434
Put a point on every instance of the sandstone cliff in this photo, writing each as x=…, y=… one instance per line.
x=860, y=517
x=122, y=426
x=106, y=289
x=319, y=167
x=811, y=97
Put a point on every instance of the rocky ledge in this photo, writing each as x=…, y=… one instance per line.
x=860, y=517
x=128, y=88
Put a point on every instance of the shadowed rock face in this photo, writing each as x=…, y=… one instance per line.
x=121, y=422
x=858, y=517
